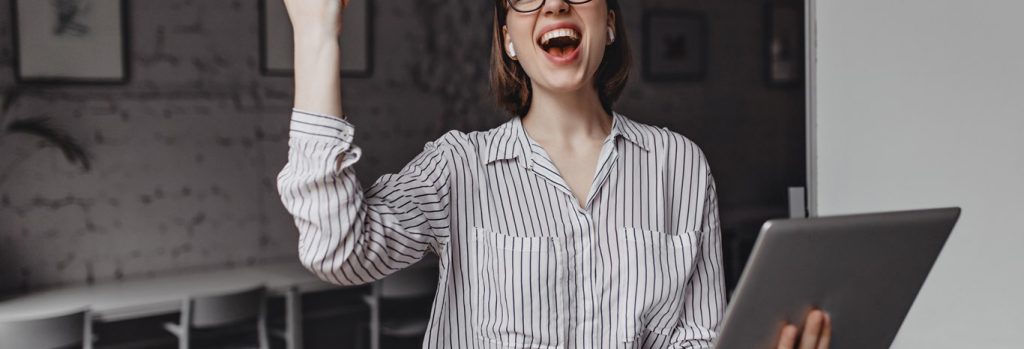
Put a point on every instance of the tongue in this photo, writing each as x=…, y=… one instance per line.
x=559, y=51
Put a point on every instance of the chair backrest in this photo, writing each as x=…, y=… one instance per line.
x=62, y=331
x=226, y=309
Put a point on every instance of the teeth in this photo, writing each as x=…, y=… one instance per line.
x=558, y=33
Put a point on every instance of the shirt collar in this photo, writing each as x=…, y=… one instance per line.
x=509, y=141
x=630, y=130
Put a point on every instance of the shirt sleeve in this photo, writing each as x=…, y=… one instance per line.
x=704, y=299
x=348, y=235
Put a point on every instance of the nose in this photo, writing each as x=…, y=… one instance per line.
x=552, y=7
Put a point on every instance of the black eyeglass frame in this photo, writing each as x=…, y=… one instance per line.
x=542, y=3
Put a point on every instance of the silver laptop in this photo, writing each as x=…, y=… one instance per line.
x=864, y=270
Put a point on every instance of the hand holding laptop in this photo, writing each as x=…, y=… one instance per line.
x=817, y=333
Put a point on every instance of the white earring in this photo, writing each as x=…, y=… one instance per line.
x=512, y=50
x=611, y=35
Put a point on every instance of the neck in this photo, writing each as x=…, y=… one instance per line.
x=567, y=116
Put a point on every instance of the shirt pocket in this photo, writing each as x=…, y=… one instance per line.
x=517, y=294
x=653, y=270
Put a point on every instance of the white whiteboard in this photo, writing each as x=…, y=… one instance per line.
x=920, y=103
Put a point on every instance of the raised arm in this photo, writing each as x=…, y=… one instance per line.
x=316, y=25
x=348, y=235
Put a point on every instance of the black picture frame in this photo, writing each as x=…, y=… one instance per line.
x=783, y=45
x=59, y=61
x=675, y=45
x=276, y=43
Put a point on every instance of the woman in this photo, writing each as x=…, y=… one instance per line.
x=569, y=226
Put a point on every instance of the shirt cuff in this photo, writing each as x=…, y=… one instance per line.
x=321, y=127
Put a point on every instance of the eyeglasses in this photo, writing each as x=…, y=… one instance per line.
x=524, y=6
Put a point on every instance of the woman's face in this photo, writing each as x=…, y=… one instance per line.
x=561, y=45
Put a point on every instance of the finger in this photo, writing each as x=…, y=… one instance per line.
x=812, y=329
x=788, y=338
x=826, y=333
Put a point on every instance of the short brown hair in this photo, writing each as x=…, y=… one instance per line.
x=513, y=89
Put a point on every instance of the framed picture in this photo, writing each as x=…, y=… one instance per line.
x=70, y=41
x=675, y=45
x=277, y=46
x=784, y=45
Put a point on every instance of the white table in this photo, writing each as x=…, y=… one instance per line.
x=132, y=299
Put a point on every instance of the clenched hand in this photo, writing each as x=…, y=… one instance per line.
x=316, y=18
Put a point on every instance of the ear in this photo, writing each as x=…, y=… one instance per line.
x=611, y=29
x=611, y=20
x=506, y=43
x=504, y=33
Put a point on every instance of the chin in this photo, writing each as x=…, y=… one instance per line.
x=568, y=84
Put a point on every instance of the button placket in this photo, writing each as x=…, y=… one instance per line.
x=609, y=155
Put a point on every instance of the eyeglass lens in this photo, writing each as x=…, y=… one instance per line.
x=534, y=5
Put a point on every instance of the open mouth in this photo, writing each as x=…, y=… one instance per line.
x=560, y=43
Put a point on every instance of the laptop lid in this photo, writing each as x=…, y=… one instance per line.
x=864, y=270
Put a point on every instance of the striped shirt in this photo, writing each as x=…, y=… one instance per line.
x=522, y=264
